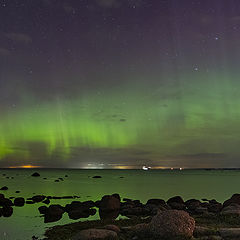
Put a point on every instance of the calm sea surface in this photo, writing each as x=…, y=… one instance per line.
x=136, y=184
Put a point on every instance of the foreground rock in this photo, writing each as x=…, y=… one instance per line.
x=109, y=207
x=96, y=234
x=234, y=199
x=232, y=209
x=172, y=224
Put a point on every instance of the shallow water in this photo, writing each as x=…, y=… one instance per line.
x=136, y=184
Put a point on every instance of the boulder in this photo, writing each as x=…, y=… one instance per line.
x=192, y=204
x=36, y=174
x=109, y=203
x=95, y=234
x=43, y=209
x=116, y=195
x=53, y=213
x=156, y=202
x=19, y=201
x=172, y=224
x=234, y=199
x=5, y=202
x=232, y=209
x=230, y=233
x=112, y=227
x=78, y=213
x=176, y=203
x=7, y=211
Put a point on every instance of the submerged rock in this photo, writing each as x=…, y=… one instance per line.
x=19, y=202
x=38, y=198
x=36, y=174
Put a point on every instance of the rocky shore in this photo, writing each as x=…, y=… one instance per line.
x=157, y=219
x=123, y=218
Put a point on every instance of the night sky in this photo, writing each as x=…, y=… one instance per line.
x=120, y=83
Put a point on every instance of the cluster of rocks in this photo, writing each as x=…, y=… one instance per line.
x=172, y=224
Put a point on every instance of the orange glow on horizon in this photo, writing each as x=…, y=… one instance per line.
x=25, y=166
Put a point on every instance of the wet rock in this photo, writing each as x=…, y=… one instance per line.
x=17, y=192
x=4, y=188
x=19, y=202
x=230, y=233
x=7, y=211
x=201, y=210
x=46, y=201
x=53, y=213
x=36, y=174
x=29, y=202
x=79, y=213
x=108, y=215
x=109, y=203
x=214, y=207
x=234, y=199
x=43, y=209
x=96, y=234
x=38, y=198
x=116, y=195
x=141, y=230
x=112, y=227
x=176, y=203
x=78, y=209
x=172, y=224
x=200, y=231
x=156, y=202
x=5, y=202
x=97, y=177
x=232, y=209
x=192, y=204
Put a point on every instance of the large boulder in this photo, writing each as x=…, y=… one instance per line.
x=172, y=224
x=109, y=203
x=53, y=213
x=95, y=234
x=232, y=209
x=234, y=199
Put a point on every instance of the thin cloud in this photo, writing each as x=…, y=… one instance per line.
x=4, y=52
x=19, y=37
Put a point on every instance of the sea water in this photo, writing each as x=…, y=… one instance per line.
x=135, y=184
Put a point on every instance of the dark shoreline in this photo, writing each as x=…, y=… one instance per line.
x=213, y=220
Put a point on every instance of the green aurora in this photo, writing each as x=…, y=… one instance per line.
x=175, y=126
